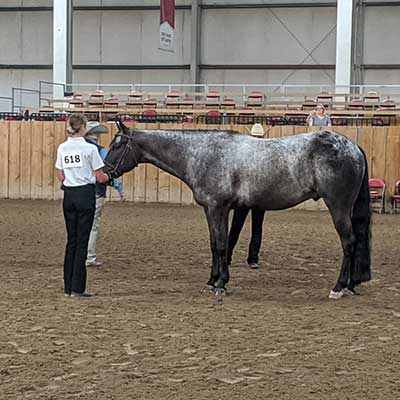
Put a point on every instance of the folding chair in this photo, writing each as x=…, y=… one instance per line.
x=377, y=188
x=396, y=198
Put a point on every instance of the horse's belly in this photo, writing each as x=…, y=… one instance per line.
x=278, y=201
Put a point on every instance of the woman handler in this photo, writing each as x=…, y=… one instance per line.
x=79, y=166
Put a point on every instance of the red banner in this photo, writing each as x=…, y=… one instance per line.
x=167, y=13
x=167, y=24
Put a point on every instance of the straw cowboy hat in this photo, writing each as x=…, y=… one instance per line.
x=94, y=127
x=257, y=130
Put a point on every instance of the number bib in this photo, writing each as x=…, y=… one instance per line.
x=72, y=160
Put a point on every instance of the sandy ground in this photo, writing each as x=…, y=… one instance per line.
x=151, y=334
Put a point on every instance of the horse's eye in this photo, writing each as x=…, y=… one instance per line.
x=117, y=139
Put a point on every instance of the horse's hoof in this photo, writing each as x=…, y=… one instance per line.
x=349, y=292
x=220, y=292
x=208, y=289
x=336, y=295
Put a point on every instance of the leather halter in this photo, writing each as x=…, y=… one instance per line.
x=113, y=173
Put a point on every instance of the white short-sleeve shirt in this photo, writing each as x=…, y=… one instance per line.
x=79, y=160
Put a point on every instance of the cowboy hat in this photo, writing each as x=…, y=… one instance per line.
x=257, y=130
x=94, y=128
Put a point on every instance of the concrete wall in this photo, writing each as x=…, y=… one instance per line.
x=129, y=37
x=381, y=44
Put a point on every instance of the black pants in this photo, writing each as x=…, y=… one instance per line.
x=239, y=218
x=79, y=206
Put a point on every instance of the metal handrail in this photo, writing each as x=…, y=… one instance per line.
x=244, y=87
x=16, y=90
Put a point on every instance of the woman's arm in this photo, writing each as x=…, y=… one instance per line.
x=101, y=177
x=60, y=175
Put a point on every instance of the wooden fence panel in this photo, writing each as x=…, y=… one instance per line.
x=48, y=160
x=25, y=160
x=365, y=142
x=392, y=171
x=60, y=136
x=4, y=158
x=379, y=142
x=28, y=153
x=163, y=186
x=14, y=141
x=275, y=132
x=36, y=160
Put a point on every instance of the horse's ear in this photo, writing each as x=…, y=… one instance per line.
x=121, y=126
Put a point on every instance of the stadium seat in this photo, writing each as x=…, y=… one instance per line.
x=213, y=117
x=213, y=99
x=150, y=103
x=325, y=99
x=96, y=99
x=255, y=99
x=377, y=188
x=228, y=104
x=111, y=102
x=309, y=105
x=135, y=100
x=356, y=104
x=172, y=98
x=371, y=97
x=148, y=116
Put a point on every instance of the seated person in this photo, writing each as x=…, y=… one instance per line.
x=318, y=117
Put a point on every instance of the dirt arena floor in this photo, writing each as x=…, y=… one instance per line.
x=151, y=334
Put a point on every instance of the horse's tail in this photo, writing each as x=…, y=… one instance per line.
x=361, y=220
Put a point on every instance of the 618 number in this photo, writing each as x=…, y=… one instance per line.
x=72, y=159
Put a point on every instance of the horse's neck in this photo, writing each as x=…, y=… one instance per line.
x=166, y=150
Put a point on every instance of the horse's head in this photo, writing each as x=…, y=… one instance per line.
x=121, y=156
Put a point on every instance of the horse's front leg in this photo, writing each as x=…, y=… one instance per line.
x=217, y=218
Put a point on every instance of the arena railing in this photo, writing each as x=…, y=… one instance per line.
x=271, y=89
x=23, y=99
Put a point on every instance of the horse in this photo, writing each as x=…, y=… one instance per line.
x=225, y=169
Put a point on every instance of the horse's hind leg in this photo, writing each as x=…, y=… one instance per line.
x=342, y=221
x=217, y=218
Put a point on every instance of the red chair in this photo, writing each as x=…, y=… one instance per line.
x=96, y=99
x=213, y=99
x=325, y=99
x=309, y=105
x=228, y=104
x=148, y=117
x=377, y=188
x=255, y=99
x=213, y=117
x=111, y=102
x=356, y=104
x=150, y=103
x=149, y=113
x=396, y=198
x=172, y=98
x=371, y=97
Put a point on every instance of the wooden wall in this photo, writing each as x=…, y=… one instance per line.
x=28, y=151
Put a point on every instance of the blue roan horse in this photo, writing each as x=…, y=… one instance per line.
x=227, y=170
